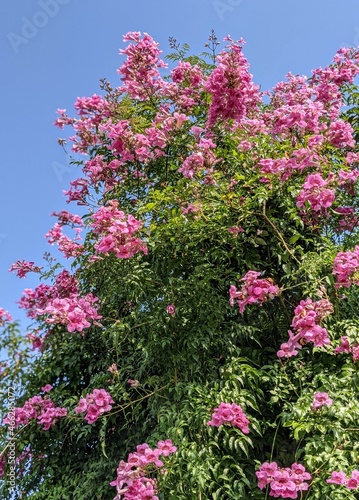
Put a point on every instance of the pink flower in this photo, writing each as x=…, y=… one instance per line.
x=117, y=232
x=140, y=72
x=5, y=316
x=316, y=193
x=337, y=478
x=321, y=399
x=133, y=383
x=233, y=93
x=353, y=481
x=92, y=414
x=191, y=165
x=343, y=346
x=171, y=308
x=113, y=369
x=290, y=348
x=2, y=465
x=102, y=400
x=345, y=267
x=283, y=485
x=95, y=404
x=340, y=134
x=265, y=474
x=166, y=447
x=82, y=406
x=235, y=230
x=46, y=388
x=355, y=352
x=22, y=268
x=230, y=413
x=254, y=290
x=191, y=208
x=132, y=480
x=44, y=410
x=284, y=482
x=307, y=315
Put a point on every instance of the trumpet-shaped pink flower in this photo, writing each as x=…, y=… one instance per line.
x=132, y=482
x=22, y=267
x=346, y=267
x=171, y=309
x=350, y=482
x=230, y=413
x=230, y=85
x=254, y=290
x=5, y=316
x=41, y=409
x=316, y=193
x=116, y=231
x=94, y=404
x=321, y=399
x=307, y=316
x=284, y=482
x=337, y=478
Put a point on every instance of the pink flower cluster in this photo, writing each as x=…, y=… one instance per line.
x=36, y=341
x=4, y=316
x=22, y=268
x=95, y=404
x=41, y=409
x=346, y=267
x=254, y=290
x=299, y=160
x=201, y=158
x=230, y=413
x=191, y=208
x=66, y=218
x=132, y=482
x=284, y=482
x=340, y=134
x=140, y=72
x=74, y=311
x=307, y=316
x=117, y=232
x=61, y=303
x=321, y=399
x=351, y=482
x=78, y=191
x=348, y=221
x=188, y=80
x=316, y=193
x=345, y=347
x=231, y=87
x=235, y=230
x=67, y=246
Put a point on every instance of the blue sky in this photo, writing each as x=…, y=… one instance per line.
x=53, y=51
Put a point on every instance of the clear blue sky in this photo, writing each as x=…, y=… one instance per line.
x=53, y=51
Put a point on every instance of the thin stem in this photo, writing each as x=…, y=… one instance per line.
x=13, y=438
x=137, y=401
x=274, y=439
x=278, y=233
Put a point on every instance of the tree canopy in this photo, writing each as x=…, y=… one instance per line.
x=198, y=337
